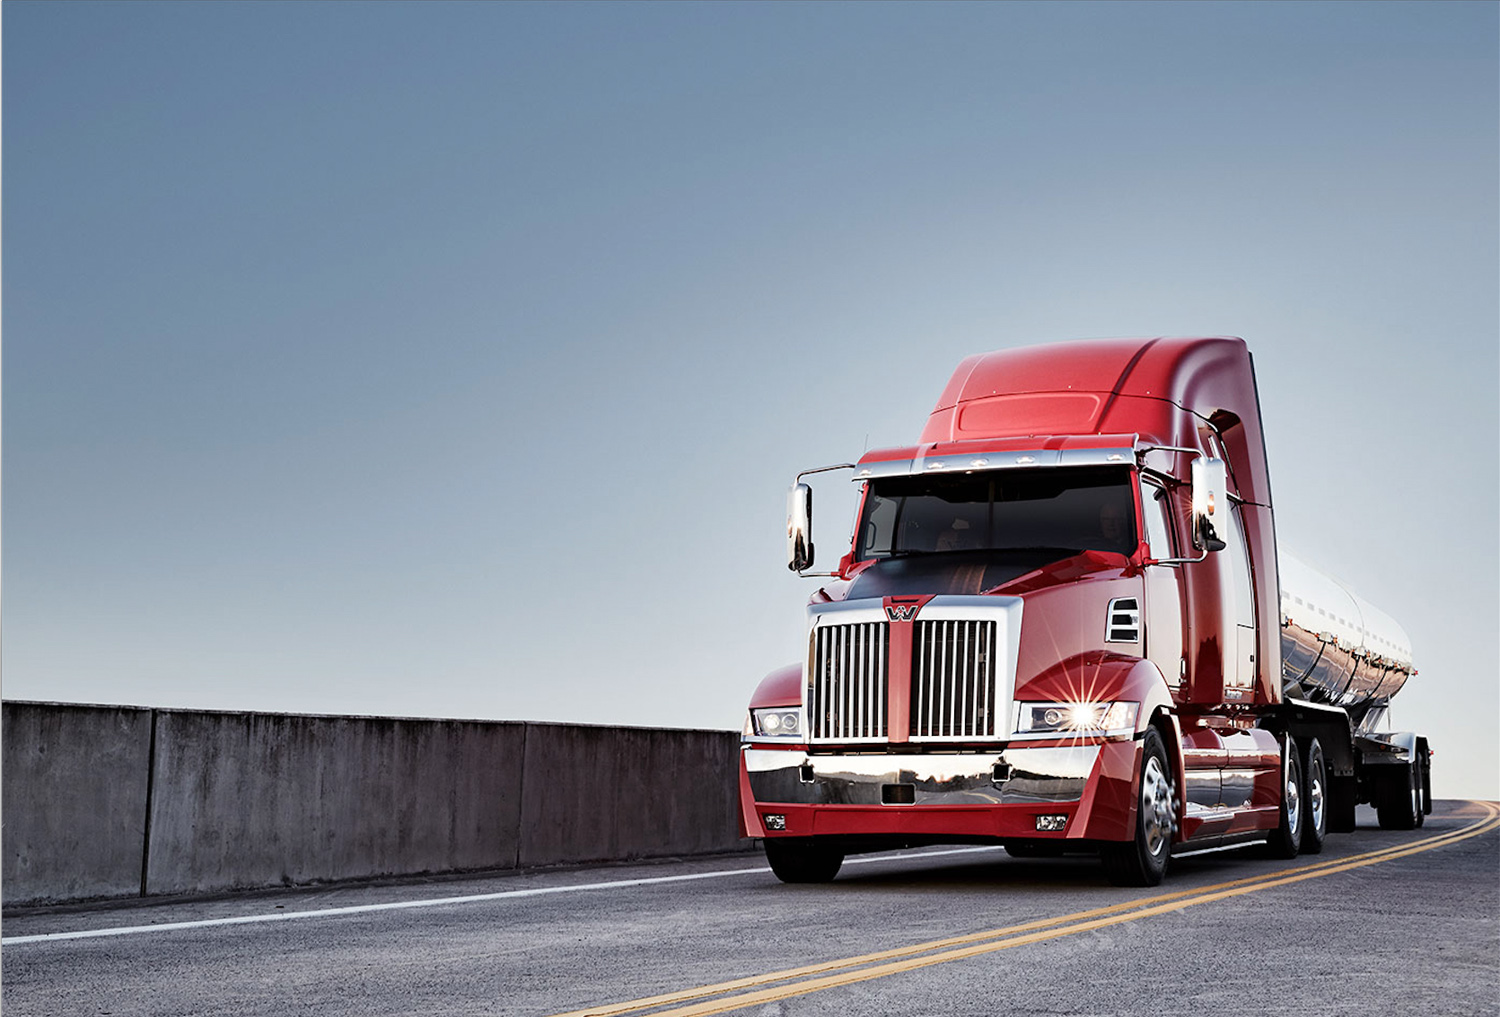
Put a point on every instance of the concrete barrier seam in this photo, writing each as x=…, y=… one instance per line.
x=150, y=794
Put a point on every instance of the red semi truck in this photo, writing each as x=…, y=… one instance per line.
x=1062, y=625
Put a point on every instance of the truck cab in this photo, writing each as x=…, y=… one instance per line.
x=1055, y=628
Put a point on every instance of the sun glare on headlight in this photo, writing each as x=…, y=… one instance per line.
x=1075, y=718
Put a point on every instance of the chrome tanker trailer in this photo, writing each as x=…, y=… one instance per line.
x=1342, y=659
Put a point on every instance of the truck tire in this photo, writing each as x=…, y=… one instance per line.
x=1314, y=797
x=802, y=860
x=1401, y=799
x=1286, y=840
x=1343, y=804
x=1424, y=784
x=1143, y=860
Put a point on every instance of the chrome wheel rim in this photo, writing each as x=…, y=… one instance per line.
x=1293, y=803
x=1315, y=797
x=1156, y=807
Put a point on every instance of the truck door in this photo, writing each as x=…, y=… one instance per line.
x=1239, y=673
x=1163, y=613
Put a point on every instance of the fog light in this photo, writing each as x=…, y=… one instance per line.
x=775, y=822
x=1050, y=824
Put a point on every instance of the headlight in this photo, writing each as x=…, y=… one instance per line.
x=778, y=722
x=1070, y=718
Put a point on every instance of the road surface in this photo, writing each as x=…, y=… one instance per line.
x=1382, y=922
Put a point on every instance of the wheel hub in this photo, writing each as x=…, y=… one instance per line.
x=1293, y=803
x=1156, y=807
x=1315, y=800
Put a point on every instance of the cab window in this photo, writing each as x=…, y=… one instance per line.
x=1155, y=505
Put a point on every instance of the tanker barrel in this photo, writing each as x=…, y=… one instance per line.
x=1336, y=647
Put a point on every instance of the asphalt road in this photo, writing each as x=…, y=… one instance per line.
x=1381, y=923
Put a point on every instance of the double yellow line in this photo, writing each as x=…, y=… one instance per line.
x=764, y=988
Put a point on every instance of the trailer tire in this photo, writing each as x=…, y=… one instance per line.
x=1343, y=804
x=1314, y=797
x=802, y=860
x=1142, y=861
x=1286, y=840
x=1424, y=783
x=1400, y=802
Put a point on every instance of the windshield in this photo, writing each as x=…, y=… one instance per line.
x=1067, y=509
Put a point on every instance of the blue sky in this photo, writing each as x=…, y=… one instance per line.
x=453, y=360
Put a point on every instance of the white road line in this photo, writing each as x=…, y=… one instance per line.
x=131, y=930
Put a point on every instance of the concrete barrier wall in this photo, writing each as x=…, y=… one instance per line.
x=73, y=785
x=604, y=792
x=265, y=799
x=114, y=801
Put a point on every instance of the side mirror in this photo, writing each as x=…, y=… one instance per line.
x=1210, y=503
x=799, y=545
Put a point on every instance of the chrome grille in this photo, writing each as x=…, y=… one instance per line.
x=953, y=680
x=846, y=683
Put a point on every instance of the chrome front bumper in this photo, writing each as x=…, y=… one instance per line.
x=1022, y=776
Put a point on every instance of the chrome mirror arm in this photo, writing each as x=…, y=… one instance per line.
x=800, y=551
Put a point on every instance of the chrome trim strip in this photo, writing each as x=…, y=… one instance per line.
x=973, y=462
x=849, y=611
x=885, y=468
x=1230, y=842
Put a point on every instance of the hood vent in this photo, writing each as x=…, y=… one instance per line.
x=1123, y=624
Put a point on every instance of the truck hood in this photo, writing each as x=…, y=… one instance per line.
x=975, y=572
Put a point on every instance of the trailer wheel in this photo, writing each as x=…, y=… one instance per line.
x=1143, y=861
x=1400, y=802
x=1343, y=804
x=1286, y=839
x=802, y=860
x=1314, y=797
x=1424, y=784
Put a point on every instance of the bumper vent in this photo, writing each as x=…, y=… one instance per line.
x=1124, y=621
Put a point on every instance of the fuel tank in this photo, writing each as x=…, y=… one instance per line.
x=1336, y=647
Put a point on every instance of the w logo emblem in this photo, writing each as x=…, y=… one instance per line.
x=901, y=612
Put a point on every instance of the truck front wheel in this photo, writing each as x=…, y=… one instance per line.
x=802, y=860
x=1143, y=861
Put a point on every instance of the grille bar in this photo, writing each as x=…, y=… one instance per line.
x=847, y=683
x=953, y=680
